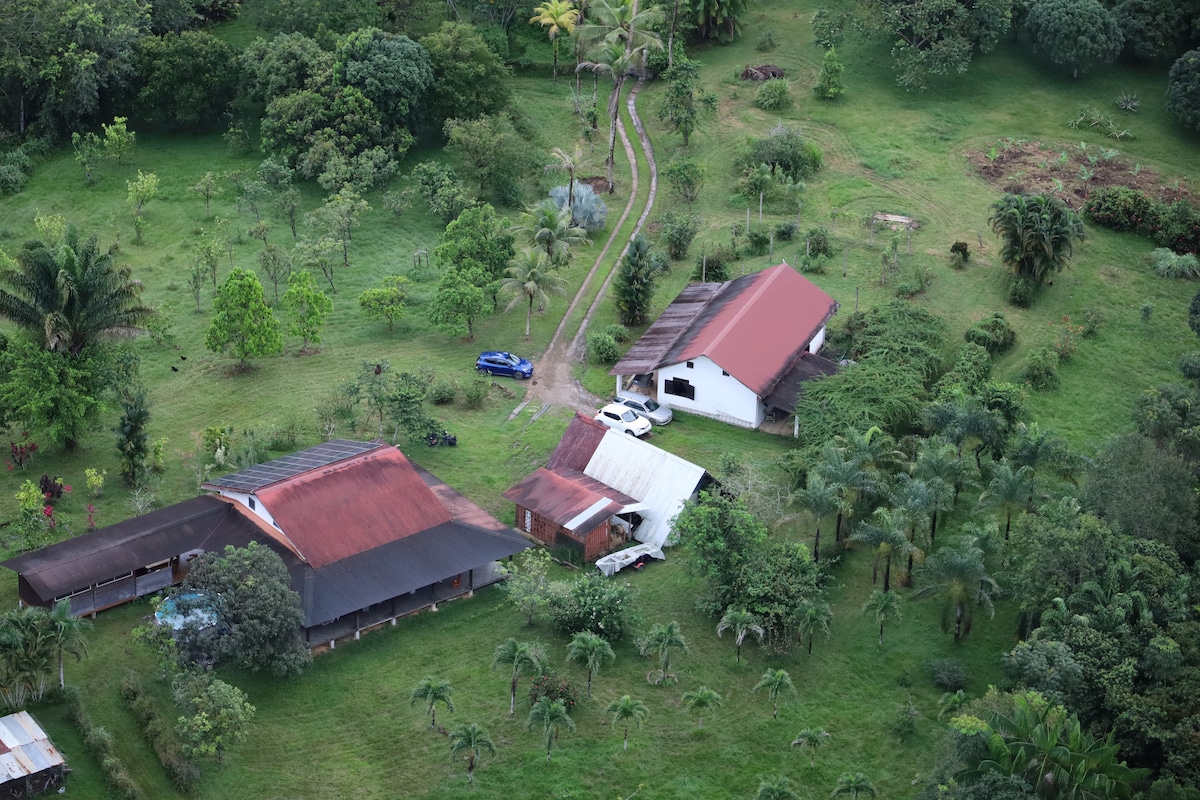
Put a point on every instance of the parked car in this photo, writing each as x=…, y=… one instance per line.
x=623, y=418
x=496, y=362
x=645, y=406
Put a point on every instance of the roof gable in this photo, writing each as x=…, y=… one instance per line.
x=575, y=448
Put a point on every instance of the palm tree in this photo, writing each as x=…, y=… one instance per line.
x=519, y=657
x=660, y=641
x=776, y=682
x=938, y=461
x=701, y=700
x=812, y=738
x=742, y=623
x=846, y=475
x=1042, y=449
x=26, y=653
x=604, y=57
x=72, y=295
x=590, y=650
x=1037, y=234
x=920, y=501
x=548, y=227
x=1008, y=492
x=557, y=16
x=958, y=574
x=814, y=617
x=821, y=501
x=68, y=635
x=570, y=163
x=853, y=784
x=432, y=691
x=471, y=742
x=627, y=710
x=888, y=534
x=885, y=606
x=530, y=276
x=552, y=716
x=778, y=789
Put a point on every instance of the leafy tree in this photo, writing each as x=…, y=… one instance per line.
x=469, y=79
x=187, y=78
x=718, y=536
x=1152, y=28
x=285, y=64
x=118, y=139
x=274, y=263
x=829, y=81
x=309, y=307
x=131, y=437
x=627, y=710
x=660, y=642
x=701, y=700
x=458, y=302
x=812, y=738
x=814, y=616
x=470, y=742
x=256, y=607
x=1183, y=89
x=1036, y=234
x=885, y=606
x=442, y=190
x=1076, y=33
x=392, y=71
x=243, y=324
x=853, y=784
x=685, y=99
x=742, y=624
x=888, y=534
x=958, y=574
x=319, y=253
x=591, y=651
x=338, y=218
x=719, y=19
x=1046, y=666
x=313, y=18
x=141, y=191
x=777, y=682
x=556, y=16
x=385, y=303
x=72, y=296
x=207, y=187
x=527, y=585
x=432, y=691
x=531, y=278
x=59, y=395
x=485, y=142
x=778, y=789
x=518, y=657
x=88, y=149
x=217, y=715
x=552, y=716
x=633, y=286
x=592, y=603
x=478, y=238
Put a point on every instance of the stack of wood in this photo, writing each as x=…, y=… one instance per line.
x=763, y=72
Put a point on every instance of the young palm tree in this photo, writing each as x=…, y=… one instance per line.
x=557, y=16
x=432, y=691
x=1042, y=449
x=776, y=682
x=778, y=789
x=548, y=227
x=530, y=276
x=470, y=742
x=812, y=738
x=519, y=657
x=814, y=617
x=853, y=784
x=27, y=653
x=1009, y=492
x=846, y=476
x=961, y=577
x=68, y=635
x=602, y=60
x=552, y=716
x=72, y=295
x=627, y=710
x=888, y=534
x=919, y=500
x=820, y=499
x=590, y=650
x=701, y=700
x=570, y=163
x=885, y=606
x=938, y=460
x=660, y=641
x=1037, y=234
x=743, y=624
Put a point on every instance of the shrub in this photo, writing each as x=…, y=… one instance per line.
x=442, y=392
x=587, y=209
x=905, y=724
x=593, y=603
x=783, y=149
x=773, y=95
x=1020, y=292
x=992, y=333
x=1041, y=371
x=716, y=266
x=961, y=253
x=617, y=331
x=1189, y=365
x=817, y=243
x=766, y=41
x=678, y=231
x=812, y=266
x=1177, y=226
x=1147, y=311
x=1091, y=323
x=829, y=80
x=556, y=687
x=1120, y=208
x=476, y=393
x=970, y=371
x=786, y=231
x=1066, y=342
x=949, y=674
x=758, y=240
x=184, y=774
x=1167, y=264
x=917, y=281
x=602, y=348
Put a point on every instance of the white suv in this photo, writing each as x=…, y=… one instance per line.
x=622, y=418
x=644, y=406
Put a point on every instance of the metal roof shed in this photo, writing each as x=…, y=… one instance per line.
x=29, y=761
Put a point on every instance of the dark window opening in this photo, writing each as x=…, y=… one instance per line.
x=691, y=365
x=726, y=374
x=680, y=388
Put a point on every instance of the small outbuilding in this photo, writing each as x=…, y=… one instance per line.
x=29, y=761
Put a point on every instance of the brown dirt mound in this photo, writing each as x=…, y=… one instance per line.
x=599, y=183
x=763, y=72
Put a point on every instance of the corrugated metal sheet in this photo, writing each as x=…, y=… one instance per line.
x=575, y=448
x=565, y=497
x=806, y=368
x=648, y=352
x=28, y=750
x=353, y=506
x=661, y=480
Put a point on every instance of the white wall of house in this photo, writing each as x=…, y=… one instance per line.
x=716, y=393
x=814, y=346
x=253, y=504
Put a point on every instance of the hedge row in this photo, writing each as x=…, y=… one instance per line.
x=1175, y=225
x=99, y=742
x=159, y=732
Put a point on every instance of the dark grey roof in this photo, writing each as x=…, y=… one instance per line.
x=405, y=565
x=806, y=368
x=649, y=352
x=252, y=479
x=202, y=523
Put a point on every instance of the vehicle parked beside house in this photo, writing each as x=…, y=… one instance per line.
x=644, y=406
x=623, y=418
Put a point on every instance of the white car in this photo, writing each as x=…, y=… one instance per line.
x=623, y=418
x=644, y=406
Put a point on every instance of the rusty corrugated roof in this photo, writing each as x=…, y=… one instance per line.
x=27, y=749
x=648, y=352
x=352, y=506
x=570, y=497
x=575, y=449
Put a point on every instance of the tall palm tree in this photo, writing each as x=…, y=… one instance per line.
x=812, y=738
x=627, y=710
x=778, y=789
x=68, y=635
x=548, y=227
x=777, y=682
x=959, y=575
x=432, y=691
x=742, y=623
x=701, y=700
x=552, y=716
x=885, y=606
x=72, y=295
x=557, y=16
x=814, y=617
x=519, y=657
x=1042, y=449
x=938, y=460
x=660, y=642
x=590, y=650
x=1037, y=234
x=530, y=277
x=470, y=742
x=853, y=784
x=820, y=499
x=1008, y=492
x=570, y=163
x=602, y=60
x=846, y=475
x=888, y=534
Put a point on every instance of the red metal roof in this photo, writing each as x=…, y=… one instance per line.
x=353, y=505
x=577, y=445
x=561, y=498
